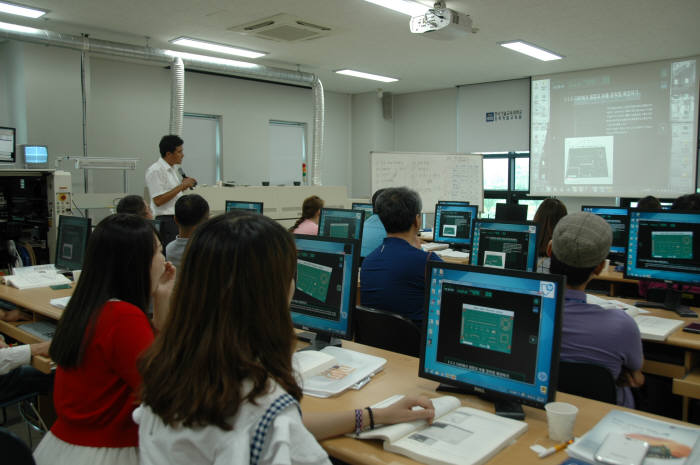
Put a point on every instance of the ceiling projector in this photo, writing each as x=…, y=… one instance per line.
x=442, y=23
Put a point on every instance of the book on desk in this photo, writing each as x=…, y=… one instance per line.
x=458, y=435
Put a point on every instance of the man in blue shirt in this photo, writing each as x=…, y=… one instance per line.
x=373, y=232
x=393, y=275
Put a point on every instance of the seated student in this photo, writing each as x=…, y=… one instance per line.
x=102, y=332
x=591, y=334
x=310, y=215
x=135, y=205
x=547, y=216
x=649, y=203
x=373, y=231
x=190, y=211
x=688, y=202
x=235, y=398
x=16, y=376
x=393, y=276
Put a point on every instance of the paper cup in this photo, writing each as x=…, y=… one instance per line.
x=76, y=275
x=606, y=267
x=560, y=420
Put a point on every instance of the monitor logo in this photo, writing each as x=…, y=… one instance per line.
x=490, y=117
x=547, y=289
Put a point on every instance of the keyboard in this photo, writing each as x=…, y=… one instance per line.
x=42, y=329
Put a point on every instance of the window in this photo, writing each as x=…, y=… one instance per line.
x=202, y=136
x=287, y=153
x=507, y=180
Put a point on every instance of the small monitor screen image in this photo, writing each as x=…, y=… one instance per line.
x=493, y=331
x=36, y=155
x=454, y=224
x=71, y=242
x=511, y=212
x=664, y=245
x=365, y=207
x=617, y=219
x=505, y=244
x=326, y=284
x=7, y=144
x=341, y=223
x=241, y=205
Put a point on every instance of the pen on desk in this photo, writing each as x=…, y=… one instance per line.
x=556, y=448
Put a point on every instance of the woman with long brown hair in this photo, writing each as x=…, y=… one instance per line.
x=547, y=216
x=218, y=384
x=310, y=214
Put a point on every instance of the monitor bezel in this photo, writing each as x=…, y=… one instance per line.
x=626, y=274
x=321, y=219
x=348, y=335
x=556, y=340
x=471, y=227
x=475, y=253
x=258, y=210
x=59, y=235
x=13, y=154
x=512, y=206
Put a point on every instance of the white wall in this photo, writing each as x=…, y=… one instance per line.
x=426, y=121
x=128, y=109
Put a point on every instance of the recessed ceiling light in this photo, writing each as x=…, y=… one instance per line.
x=214, y=47
x=209, y=59
x=407, y=7
x=360, y=74
x=18, y=28
x=531, y=50
x=20, y=10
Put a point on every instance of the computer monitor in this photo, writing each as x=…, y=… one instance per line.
x=7, y=144
x=453, y=202
x=326, y=284
x=33, y=156
x=244, y=205
x=365, y=207
x=493, y=332
x=341, y=223
x=511, y=212
x=71, y=242
x=505, y=244
x=616, y=217
x=664, y=246
x=454, y=224
x=665, y=205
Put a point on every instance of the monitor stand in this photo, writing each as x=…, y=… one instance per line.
x=502, y=407
x=318, y=341
x=672, y=301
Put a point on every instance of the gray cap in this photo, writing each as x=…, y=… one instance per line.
x=581, y=240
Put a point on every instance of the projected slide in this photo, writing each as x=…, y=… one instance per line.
x=624, y=131
x=487, y=328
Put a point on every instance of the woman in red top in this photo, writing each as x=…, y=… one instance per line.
x=101, y=334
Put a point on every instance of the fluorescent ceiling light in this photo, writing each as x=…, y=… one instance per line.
x=531, y=50
x=20, y=10
x=407, y=7
x=209, y=59
x=360, y=74
x=213, y=47
x=18, y=28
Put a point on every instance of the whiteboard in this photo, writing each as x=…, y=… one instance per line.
x=435, y=176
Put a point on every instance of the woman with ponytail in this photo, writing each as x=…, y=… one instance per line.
x=310, y=214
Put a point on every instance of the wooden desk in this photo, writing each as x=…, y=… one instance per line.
x=400, y=376
x=615, y=279
x=37, y=303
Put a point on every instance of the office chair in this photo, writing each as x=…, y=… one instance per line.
x=587, y=380
x=28, y=412
x=14, y=450
x=386, y=330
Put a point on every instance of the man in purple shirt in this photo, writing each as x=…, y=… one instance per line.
x=591, y=334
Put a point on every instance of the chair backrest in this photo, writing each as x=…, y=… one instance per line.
x=386, y=330
x=587, y=380
x=14, y=450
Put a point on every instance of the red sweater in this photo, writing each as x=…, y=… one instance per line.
x=94, y=401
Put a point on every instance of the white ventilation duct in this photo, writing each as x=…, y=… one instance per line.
x=177, y=96
x=86, y=44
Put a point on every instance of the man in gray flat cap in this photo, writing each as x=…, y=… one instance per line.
x=591, y=334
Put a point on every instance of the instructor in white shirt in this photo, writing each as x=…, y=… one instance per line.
x=165, y=185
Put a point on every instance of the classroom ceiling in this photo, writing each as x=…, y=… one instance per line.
x=369, y=38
